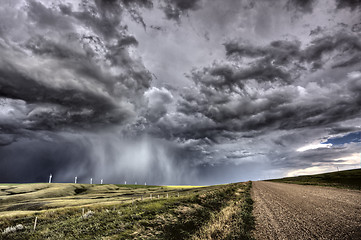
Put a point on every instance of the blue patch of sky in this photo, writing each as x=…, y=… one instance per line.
x=348, y=138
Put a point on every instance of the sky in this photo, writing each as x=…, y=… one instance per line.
x=170, y=92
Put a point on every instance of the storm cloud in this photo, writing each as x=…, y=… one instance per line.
x=177, y=91
x=70, y=68
x=174, y=9
x=276, y=89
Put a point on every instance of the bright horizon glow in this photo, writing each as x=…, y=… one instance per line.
x=347, y=162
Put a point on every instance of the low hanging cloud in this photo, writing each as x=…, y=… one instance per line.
x=99, y=156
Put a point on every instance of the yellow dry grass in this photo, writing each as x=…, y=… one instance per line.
x=22, y=199
x=183, y=186
x=219, y=226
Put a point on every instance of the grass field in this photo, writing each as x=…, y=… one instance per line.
x=84, y=211
x=344, y=179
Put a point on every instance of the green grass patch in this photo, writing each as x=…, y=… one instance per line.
x=246, y=215
x=344, y=179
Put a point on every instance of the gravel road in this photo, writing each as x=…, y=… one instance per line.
x=289, y=211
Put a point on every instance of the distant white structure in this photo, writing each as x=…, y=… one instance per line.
x=91, y=180
x=50, y=177
x=101, y=181
x=75, y=179
x=125, y=182
x=145, y=183
x=135, y=183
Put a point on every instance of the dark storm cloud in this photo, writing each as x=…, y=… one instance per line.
x=6, y=139
x=47, y=17
x=174, y=9
x=351, y=4
x=110, y=12
x=74, y=69
x=340, y=129
x=301, y=5
x=224, y=93
x=34, y=160
x=307, y=6
x=73, y=84
x=344, y=42
x=280, y=53
x=60, y=106
x=353, y=60
x=97, y=155
x=281, y=60
x=157, y=99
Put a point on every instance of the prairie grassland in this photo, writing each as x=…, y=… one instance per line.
x=343, y=179
x=21, y=199
x=84, y=211
x=182, y=186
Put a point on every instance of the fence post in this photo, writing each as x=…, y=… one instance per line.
x=36, y=220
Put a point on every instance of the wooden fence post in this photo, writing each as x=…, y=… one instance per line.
x=36, y=220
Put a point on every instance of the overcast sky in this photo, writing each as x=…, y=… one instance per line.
x=178, y=91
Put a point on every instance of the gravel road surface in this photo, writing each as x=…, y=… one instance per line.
x=289, y=211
